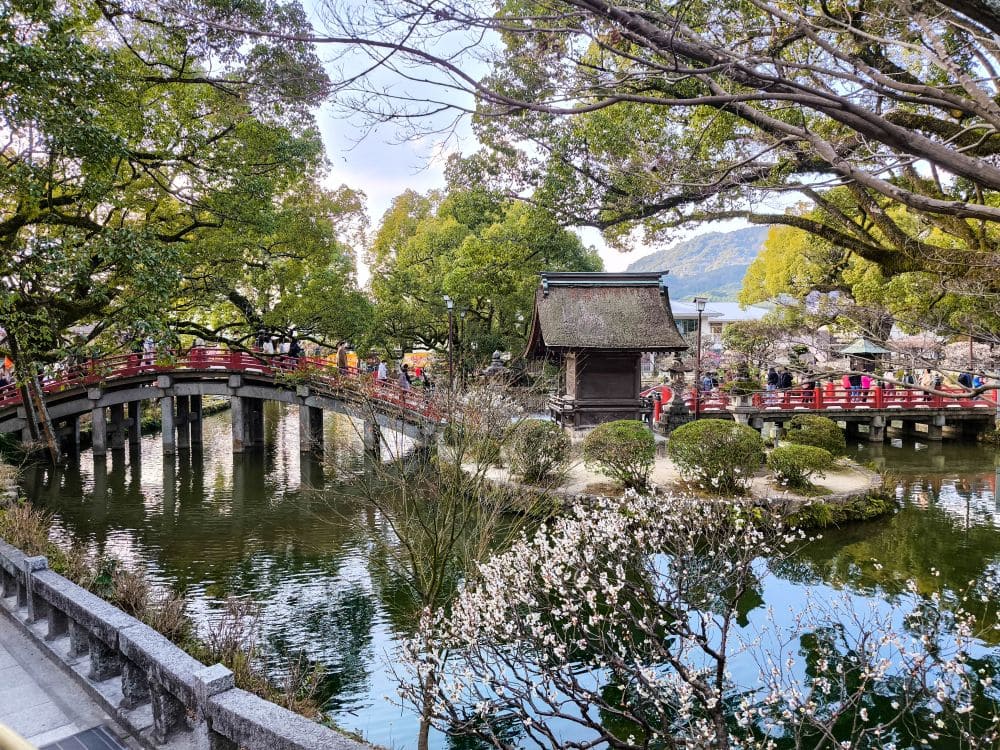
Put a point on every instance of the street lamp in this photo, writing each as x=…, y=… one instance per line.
x=461, y=346
x=450, y=304
x=699, y=302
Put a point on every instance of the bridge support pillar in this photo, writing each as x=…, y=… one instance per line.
x=310, y=429
x=99, y=431
x=117, y=427
x=372, y=440
x=183, y=422
x=167, y=420
x=876, y=430
x=196, y=416
x=255, y=421
x=935, y=428
x=248, y=423
x=70, y=435
x=134, y=423
x=237, y=405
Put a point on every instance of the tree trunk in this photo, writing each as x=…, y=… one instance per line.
x=33, y=400
x=423, y=734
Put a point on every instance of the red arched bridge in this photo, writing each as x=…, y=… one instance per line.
x=878, y=408
x=179, y=380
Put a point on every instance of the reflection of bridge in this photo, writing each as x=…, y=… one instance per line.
x=178, y=382
x=911, y=410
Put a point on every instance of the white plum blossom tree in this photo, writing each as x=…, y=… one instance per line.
x=621, y=625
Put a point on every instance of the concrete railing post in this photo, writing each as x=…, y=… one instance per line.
x=8, y=584
x=79, y=640
x=135, y=685
x=208, y=682
x=105, y=662
x=38, y=608
x=58, y=624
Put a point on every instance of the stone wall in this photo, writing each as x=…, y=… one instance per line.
x=165, y=697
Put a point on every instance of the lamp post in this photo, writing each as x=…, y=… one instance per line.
x=450, y=304
x=699, y=302
x=461, y=346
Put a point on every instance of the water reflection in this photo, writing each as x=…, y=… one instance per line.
x=290, y=531
x=943, y=537
x=295, y=533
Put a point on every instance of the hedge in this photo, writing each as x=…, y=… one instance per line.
x=721, y=455
x=623, y=450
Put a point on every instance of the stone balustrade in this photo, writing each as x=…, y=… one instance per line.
x=164, y=696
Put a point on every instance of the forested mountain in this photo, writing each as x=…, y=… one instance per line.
x=711, y=264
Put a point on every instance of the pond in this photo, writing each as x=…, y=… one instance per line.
x=300, y=539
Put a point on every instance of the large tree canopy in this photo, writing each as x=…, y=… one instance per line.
x=134, y=150
x=482, y=251
x=654, y=115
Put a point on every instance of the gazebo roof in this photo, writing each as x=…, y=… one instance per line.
x=628, y=312
x=863, y=346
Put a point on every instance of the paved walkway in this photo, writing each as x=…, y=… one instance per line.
x=42, y=703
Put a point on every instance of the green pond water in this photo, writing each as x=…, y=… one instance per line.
x=299, y=537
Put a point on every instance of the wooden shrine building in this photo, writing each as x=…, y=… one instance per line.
x=597, y=325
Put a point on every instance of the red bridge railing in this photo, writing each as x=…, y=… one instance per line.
x=307, y=370
x=831, y=397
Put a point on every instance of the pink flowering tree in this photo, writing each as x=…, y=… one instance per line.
x=625, y=625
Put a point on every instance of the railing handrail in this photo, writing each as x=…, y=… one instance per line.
x=151, y=668
x=319, y=372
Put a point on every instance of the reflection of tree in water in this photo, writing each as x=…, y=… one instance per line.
x=839, y=681
x=926, y=541
x=334, y=631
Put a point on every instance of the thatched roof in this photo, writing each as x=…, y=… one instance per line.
x=863, y=346
x=610, y=311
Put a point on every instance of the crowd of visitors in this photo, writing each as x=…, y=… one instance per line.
x=858, y=385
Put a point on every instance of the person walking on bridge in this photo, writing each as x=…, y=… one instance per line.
x=404, y=377
x=342, y=357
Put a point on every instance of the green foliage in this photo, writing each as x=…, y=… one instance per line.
x=721, y=455
x=755, y=340
x=155, y=172
x=795, y=465
x=991, y=437
x=537, y=447
x=812, y=429
x=819, y=514
x=623, y=450
x=483, y=251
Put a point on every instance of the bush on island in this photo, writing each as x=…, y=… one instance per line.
x=722, y=456
x=623, y=450
x=820, y=432
x=537, y=448
x=795, y=465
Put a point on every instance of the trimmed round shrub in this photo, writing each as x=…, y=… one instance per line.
x=722, y=456
x=820, y=432
x=537, y=447
x=795, y=465
x=623, y=450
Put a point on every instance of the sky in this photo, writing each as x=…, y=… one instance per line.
x=382, y=166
